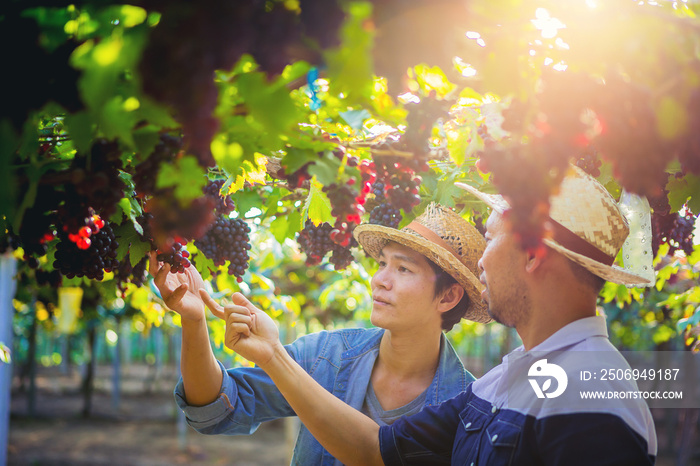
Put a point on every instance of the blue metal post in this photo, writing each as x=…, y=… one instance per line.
x=8, y=267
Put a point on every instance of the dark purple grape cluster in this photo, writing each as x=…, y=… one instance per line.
x=96, y=177
x=317, y=241
x=227, y=240
x=346, y=204
x=175, y=255
x=341, y=257
x=674, y=229
x=297, y=178
x=125, y=273
x=224, y=205
x=589, y=161
x=52, y=278
x=402, y=190
x=92, y=262
x=483, y=132
x=377, y=190
x=421, y=118
x=385, y=214
x=659, y=204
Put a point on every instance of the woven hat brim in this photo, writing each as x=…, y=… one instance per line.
x=373, y=238
x=613, y=273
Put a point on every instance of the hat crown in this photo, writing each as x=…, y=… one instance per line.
x=464, y=240
x=587, y=209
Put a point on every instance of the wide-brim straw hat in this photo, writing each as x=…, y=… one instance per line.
x=588, y=226
x=445, y=238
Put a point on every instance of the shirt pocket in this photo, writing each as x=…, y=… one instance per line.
x=485, y=440
x=471, y=430
x=500, y=443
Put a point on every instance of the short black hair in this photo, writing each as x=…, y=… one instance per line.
x=587, y=277
x=443, y=281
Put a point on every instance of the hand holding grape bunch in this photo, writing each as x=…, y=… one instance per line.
x=179, y=290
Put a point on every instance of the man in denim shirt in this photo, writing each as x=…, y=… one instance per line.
x=550, y=298
x=424, y=285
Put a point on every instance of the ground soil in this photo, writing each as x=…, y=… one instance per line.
x=142, y=430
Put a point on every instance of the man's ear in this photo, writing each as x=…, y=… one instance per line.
x=451, y=297
x=534, y=260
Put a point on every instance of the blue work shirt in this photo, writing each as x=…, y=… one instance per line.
x=499, y=420
x=341, y=361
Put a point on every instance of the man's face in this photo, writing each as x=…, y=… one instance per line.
x=403, y=291
x=502, y=272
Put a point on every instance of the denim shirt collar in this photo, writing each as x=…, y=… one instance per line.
x=450, y=370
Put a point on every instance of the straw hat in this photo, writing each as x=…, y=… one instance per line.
x=445, y=238
x=588, y=226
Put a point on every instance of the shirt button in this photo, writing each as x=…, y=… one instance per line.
x=494, y=409
x=494, y=438
x=468, y=424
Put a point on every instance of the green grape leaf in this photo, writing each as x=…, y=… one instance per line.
x=350, y=69
x=131, y=243
x=204, y=265
x=682, y=190
x=186, y=175
x=297, y=158
x=269, y=104
x=156, y=114
x=117, y=119
x=326, y=169
x=317, y=206
x=279, y=227
x=458, y=143
x=145, y=140
x=139, y=250
x=227, y=155
x=80, y=128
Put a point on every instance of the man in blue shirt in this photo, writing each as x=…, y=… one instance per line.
x=424, y=285
x=506, y=417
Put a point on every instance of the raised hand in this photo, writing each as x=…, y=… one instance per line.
x=250, y=332
x=179, y=290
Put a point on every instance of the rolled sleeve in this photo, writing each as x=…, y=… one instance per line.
x=388, y=447
x=203, y=417
x=425, y=438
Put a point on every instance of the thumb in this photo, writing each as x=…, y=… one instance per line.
x=240, y=300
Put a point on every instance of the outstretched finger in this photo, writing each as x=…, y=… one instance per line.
x=152, y=263
x=213, y=306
